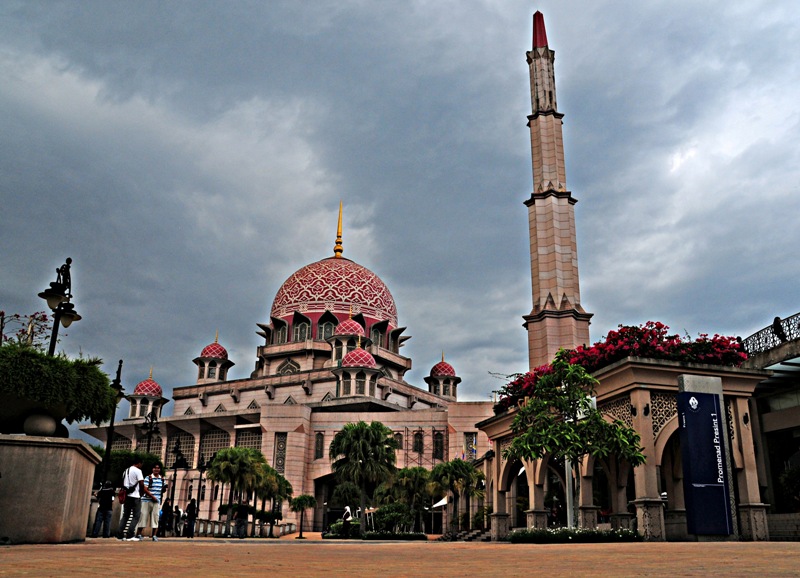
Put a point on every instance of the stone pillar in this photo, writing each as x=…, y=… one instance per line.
x=752, y=513
x=650, y=519
x=537, y=519
x=622, y=521
x=499, y=526
x=587, y=517
x=753, y=520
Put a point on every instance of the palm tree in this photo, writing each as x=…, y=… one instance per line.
x=235, y=467
x=458, y=477
x=270, y=485
x=300, y=504
x=363, y=454
x=409, y=486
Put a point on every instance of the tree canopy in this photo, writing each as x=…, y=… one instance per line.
x=558, y=419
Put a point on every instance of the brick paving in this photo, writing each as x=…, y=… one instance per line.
x=315, y=557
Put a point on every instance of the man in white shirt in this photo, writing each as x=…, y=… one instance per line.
x=133, y=480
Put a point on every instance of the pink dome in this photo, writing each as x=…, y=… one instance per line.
x=214, y=350
x=149, y=388
x=443, y=369
x=336, y=285
x=349, y=327
x=358, y=358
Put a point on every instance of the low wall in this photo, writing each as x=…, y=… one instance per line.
x=784, y=526
x=45, y=488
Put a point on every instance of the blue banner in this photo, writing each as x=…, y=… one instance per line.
x=705, y=474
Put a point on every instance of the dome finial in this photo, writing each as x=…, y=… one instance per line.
x=216, y=337
x=151, y=372
x=442, y=355
x=338, y=249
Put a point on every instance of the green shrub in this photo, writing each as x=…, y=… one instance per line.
x=391, y=517
x=575, y=536
x=394, y=536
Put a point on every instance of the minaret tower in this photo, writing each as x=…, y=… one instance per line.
x=557, y=319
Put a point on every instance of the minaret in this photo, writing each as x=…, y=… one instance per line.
x=557, y=319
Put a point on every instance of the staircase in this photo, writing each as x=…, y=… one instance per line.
x=467, y=536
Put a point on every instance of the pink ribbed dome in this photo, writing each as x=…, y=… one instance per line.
x=149, y=388
x=340, y=286
x=358, y=358
x=443, y=369
x=214, y=350
x=349, y=327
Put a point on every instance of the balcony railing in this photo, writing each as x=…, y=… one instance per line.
x=781, y=331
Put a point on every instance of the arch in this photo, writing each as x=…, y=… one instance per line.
x=663, y=437
x=212, y=370
x=319, y=446
x=361, y=379
x=281, y=333
x=201, y=368
x=378, y=333
x=419, y=442
x=288, y=367
x=326, y=326
x=438, y=445
x=301, y=327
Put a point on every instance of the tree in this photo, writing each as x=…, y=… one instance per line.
x=31, y=330
x=409, y=486
x=237, y=467
x=460, y=478
x=559, y=420
x=363, y=454
x=300, y=504
x=270, y=485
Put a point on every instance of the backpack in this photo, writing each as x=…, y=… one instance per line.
x=125, y=490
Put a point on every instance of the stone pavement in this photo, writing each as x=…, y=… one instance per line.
x=210, y=557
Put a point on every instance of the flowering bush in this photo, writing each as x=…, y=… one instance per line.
x=651, y=340
x=576, y=536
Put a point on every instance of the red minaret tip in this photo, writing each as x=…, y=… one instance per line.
x=539, y=33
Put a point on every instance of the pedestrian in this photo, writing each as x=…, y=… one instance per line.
x=105, y=499
x=133, y=482
x=151, y=507
x=240, y=520
x=191, y=518
x=178, y=515
x=166, y=522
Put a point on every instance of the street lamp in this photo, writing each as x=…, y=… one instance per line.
x=117, y=385
x=202, y=466
x=180, y=462
x=151, y=426
x=57, y=297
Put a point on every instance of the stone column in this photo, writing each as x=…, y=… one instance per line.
x=587, y=517
x=499, y=526
x=537, y=519
x=752, y=513
x=649, y=508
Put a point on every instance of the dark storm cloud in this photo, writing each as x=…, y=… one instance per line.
x=189, y=156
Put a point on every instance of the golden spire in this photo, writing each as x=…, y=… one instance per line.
x=442, y=355
x=216, y=337
x=338, y=249
x=151, y=372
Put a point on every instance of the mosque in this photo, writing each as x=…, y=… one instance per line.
x=332, y=355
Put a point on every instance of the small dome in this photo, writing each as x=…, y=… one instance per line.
x=358, y=358
x=350, y=327
x=443, y=369
x=149, y=388
x=214, y=350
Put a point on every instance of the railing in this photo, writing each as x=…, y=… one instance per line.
x=781, y=331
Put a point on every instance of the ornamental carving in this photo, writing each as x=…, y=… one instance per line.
x=619, y=408
x=335, y=285
x=664, y=407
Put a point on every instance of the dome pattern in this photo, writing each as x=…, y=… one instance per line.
x=337, y=285
x=350, y=327
x=149, y=388
x=358, y=358
x=443, y=369
x=214, y=350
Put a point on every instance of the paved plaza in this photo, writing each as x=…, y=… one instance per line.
x=314, y=557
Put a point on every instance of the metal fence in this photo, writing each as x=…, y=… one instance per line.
x=772, y=336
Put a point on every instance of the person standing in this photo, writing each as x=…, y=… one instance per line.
x=133, y=481
x=178, y=516
x=105, y=499
x=191, y=518
x=166, y=522
x=151, y=507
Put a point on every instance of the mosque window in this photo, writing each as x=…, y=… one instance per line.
x=202, y=492
x=200, y=370
x=438, y=445
x=249, y=438
x=351, y=345
x=212, y=369
x=470, y=445
x=216, y=492
x=326, y=330
x=213, y=440
x=377, y=337
x=319, y=446
x=436, y=388
x=142, y=408
x=398, y=438
x=185, y=442
x=223, y=373
x=280, y=334
x=372, y=381
x=346, y=384
x=418, y=442
x=339, y=350
x=121, y=443
x=360, y=382
x=446, y=387
x=288, y=367
x=300, y=332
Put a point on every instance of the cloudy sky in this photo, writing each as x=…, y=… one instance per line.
x=189, y=156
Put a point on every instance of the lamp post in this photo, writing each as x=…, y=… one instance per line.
x=57, y=297
x=202, y=466
x=180, y=462
x=117, y=385
x=151, y=426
